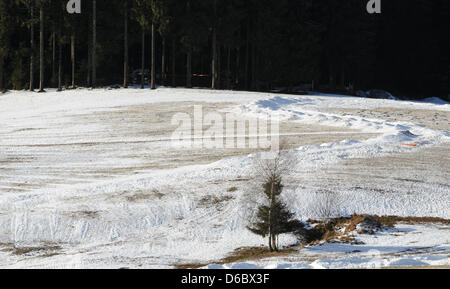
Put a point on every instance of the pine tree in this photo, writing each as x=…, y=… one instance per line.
x=273, y=218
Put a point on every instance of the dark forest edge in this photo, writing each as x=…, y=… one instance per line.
x=288, y=46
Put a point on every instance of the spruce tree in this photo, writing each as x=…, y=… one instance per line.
x=273, y=219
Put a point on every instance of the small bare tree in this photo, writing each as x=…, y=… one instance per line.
x=326, y=204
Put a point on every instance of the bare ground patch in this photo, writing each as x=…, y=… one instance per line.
x=209, y=200
x=85, y=214
x=434, y=119
x=44, y=250
x=331, y=231
x=419, y=267
x=391, y=221
x=139, y=137
x=425, y=169
x=243, y=254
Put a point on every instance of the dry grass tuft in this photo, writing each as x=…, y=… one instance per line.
x=213, y=200
x=46, y=251
x=243, y=254
x=189, y=266
x=255, y=253
x=86, y=214
x=341, y=229
x=391, y=221
x=138, y=197
x=6, y=247
x=141, y=196
x=334, y=230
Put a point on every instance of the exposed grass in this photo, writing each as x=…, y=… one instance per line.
x=214, y=200
x=232, y=189
x=391, y=221
x=340, y=229
x=419, y=267
x=138, y=197
x=6, y=247
x=159, y=195
x=190, y=266
x=46, y=251
x=255, y=253
x=86, y=214
x=141, y=196
x=243, y=254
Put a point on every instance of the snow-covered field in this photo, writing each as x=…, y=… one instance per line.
x=90, y=179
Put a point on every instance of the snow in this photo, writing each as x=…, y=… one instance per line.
x=75, y=172
x=435, y=100
x=404, y=246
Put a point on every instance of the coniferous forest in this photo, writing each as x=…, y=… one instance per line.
x=325, y=45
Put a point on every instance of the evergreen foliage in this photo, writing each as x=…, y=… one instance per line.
x=248, y=44
x=274, y=219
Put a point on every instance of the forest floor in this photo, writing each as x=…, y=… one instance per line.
x=92, y=178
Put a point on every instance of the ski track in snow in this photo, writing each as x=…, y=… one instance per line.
x=97, y=227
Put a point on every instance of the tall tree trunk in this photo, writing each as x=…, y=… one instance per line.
x=247, y=60
x=202, y=65
x=238, y=56
x=254, y=84
x=1, y=72
x=59, y=61
x=89, y=53
x=143, y=58
x=72, y=57
x=271, y=202
x=174, y=59
x=229, y=68
x=32, y=48
x=274, y=242
x=214, y=50
x=94, y=43
x=125, y=48
x=53, y=53
x=153, y=72
x=189, y=69
x=219, y=67
x=59, y=51
x=163, y=63
x=214, y=60
x=41, y=50
x=331, y=76
x=89, y=64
